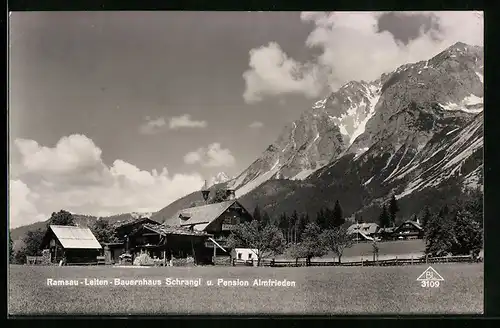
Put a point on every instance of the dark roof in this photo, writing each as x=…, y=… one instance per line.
x=200, y=216
x=168, y=230
x=132, y=221
x=415, y=224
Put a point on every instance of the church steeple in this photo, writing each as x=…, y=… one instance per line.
x=205, y=192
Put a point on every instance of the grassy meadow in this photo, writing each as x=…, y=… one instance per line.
x=318, y=290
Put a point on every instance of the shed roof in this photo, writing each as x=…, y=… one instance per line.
x=200, y=216
x=365, y=228
x=72, y=237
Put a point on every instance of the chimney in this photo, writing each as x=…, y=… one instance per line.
x=230, y=194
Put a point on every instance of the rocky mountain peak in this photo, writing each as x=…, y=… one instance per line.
x=220, y=177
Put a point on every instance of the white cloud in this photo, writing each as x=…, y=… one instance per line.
x=152, y=126
x=185, y=121
x=272, y=73
x=22, y=208
x=72, y=176
x=211, y=156
x=256, y=125
x=351, y=49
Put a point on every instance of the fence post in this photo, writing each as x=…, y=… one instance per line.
x=426, y=258
x=412, y=260
x=362, y=262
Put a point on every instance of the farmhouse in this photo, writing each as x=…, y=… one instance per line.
x=123, y=229
x=216, y=219
x=363, y=231
x=76, y=245
x=409, y=230
x=166, y=242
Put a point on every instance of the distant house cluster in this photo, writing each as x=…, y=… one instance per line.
x=372, y=231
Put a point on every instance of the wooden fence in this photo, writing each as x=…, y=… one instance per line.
x=391, y=262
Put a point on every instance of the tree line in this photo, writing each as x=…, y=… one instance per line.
x=294, y=235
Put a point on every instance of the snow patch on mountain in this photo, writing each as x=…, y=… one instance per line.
x=361, y=127
x=304, y=174
x=260, y=179
x=470, y=104
x=367, y=182
x=480, y=76
x=472, y=180
x=319, y=104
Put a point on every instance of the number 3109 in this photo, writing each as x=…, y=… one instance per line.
x=430, y=283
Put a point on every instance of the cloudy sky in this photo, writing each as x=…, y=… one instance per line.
x=112, y=112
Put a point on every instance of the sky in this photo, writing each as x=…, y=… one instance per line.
x=114, y=112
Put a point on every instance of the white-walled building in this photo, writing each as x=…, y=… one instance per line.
x=244, y=254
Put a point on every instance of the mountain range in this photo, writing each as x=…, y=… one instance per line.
x=411, y=133
x=416, y=133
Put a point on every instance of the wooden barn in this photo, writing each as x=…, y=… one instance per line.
x=76, y=245
x=165, y=242
x=124, y=229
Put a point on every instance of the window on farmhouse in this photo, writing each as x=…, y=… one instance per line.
x=250, y=256
x=239, y=256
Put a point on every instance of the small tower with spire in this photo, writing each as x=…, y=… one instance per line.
x=205, y=191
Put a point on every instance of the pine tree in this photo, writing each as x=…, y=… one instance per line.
x=266, y=219
x=283, y=224
x=338, y=217
x=256, y=214
x=439, y=234
x=321, y=219
x=295, y=221
x=426, y=217
x=384, y=219
x=303, y=221
x=393, y=209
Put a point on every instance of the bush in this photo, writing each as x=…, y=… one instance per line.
x=143, y=259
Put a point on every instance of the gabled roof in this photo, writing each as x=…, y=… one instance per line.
x=168, y=230
x=415, y=224
x=200, y=216
x=365, y=228
x=72, y=237
x=132, y=221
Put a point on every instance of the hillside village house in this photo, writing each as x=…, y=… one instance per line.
x=112, y=251
x=363, y=231
x=166, y=243
x=371, y=231
x=409, y=230
x=216, y=219
x=76, y=245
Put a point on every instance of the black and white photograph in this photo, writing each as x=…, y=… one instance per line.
x=245, y=163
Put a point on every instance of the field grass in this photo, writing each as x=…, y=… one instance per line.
x=318, y=290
